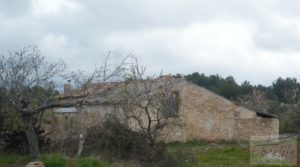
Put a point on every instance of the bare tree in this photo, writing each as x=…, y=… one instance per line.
x=150, y=103
x=28, y=82
x=24, y=75
x=84, y=81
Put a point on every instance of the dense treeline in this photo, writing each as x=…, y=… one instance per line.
x=281, y=99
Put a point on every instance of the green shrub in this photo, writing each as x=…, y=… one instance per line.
x=54, y=160
x=12, y=159
x=112, y=139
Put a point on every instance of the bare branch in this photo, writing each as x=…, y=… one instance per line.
x=148, y=102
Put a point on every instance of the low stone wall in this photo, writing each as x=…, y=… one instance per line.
x=263, y=128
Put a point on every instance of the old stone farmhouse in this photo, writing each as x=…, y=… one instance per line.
x=203, y=115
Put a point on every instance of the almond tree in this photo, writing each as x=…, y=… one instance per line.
x=28, y=81
x=150, y=104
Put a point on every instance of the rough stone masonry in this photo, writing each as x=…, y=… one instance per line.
x=203, y=116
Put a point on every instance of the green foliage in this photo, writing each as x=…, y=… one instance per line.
x=113, y=139
x=290, y=119
x=245, y=88
x=91, y=162
x=12, y=159
x=197, y=153
x=189, y=154
x=54, y=160
x=283, y=90
x=16, y=141
x=10, y=120
x=286, y=90
x=12, y=134
x=226, y=87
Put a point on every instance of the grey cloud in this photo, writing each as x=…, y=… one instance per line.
x=14, y=8
x=144, y=14
x=290, y=8
x=81, y=36
x=278, y=38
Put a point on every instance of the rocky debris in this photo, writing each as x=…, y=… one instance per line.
x=35, y=164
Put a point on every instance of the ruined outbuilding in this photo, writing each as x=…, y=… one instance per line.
x=203, y=115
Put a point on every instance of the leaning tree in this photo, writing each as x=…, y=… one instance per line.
x=22, y=73
x=28, y=82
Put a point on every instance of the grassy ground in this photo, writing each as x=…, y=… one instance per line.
x=190, y=154
x=204, y=154
x=195, y=154
x=52, y=160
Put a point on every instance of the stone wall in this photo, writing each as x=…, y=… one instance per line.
x=261, y=128
x=62, y=125
x=203, y=115
x=210, y=117
x=207, y=116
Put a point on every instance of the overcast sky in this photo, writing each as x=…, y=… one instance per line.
x=254, y=40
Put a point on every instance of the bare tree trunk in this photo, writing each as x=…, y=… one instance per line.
x=31, y=136
x=81, y=144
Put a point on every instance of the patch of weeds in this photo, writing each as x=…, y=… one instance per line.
x=91, y=162
x=12, y=159
x=178, y=146
x=54, y=160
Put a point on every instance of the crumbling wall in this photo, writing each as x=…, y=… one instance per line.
x=258, y=127
x=248, y=124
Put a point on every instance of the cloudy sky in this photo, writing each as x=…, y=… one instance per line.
x=255, y=40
